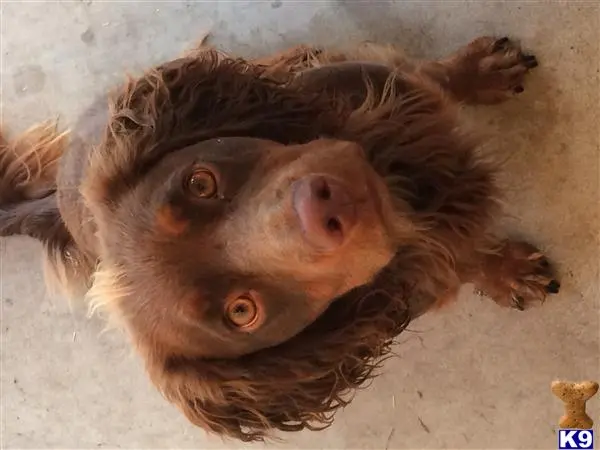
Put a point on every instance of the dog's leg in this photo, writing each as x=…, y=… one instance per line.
x=28, y=205
x=515, y=275
x=39, y=218
x=66, y=267
x=486, y=71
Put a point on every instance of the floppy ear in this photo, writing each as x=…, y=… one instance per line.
x=204, y=396
x=298, y=384
x=239, y=399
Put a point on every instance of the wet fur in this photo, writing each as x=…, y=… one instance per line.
x=408, y=126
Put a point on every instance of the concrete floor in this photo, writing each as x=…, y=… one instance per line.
x=471, y=376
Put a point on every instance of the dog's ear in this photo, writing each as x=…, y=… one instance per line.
x=298, y=384
x=246, y=399
x=208, y=397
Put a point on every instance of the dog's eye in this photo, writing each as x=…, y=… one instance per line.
x=202, y=184
x=242, y=312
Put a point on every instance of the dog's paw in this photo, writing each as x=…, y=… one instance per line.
x=532, y=278
x=492, y=69
x=520, y=277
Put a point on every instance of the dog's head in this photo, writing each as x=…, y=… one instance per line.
x=229, y=249
x=247, y=256
x=233, y=244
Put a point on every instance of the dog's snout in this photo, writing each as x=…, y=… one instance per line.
x=325, y=210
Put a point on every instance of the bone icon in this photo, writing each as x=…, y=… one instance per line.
x=574, y=396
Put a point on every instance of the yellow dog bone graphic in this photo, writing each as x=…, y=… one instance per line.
x=574, y=395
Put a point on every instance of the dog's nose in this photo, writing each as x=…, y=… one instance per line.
x=325, y=210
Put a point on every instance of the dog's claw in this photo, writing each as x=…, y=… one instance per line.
x=499, y=44
x=529, y=61
x=518, y=302
x=479, y=293
x=553, y=287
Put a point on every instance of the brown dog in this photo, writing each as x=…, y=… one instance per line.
x=264, y=229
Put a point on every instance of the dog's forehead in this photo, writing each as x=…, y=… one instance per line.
x=227, y=148
x=233, y=158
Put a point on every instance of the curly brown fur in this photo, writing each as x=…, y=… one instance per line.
x=167, y=263
x=28, y=163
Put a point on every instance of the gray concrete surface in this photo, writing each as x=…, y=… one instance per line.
x=470, y=376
